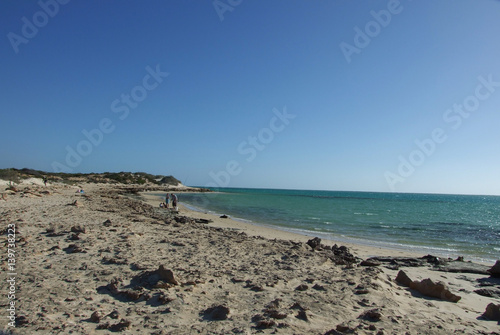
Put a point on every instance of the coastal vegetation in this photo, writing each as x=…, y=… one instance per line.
x=141, y=178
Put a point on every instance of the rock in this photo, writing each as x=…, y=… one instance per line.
x=403, y=278
x=107, y=223
x=167, y=275
x=204, y=221
x=114, y=315
x=495, y=270
x=74, y=237
x=490, y=293
x=75, y=203
x=333, y=332
x=262, y=323
x=370, y=262
x=492, y=312
x=74, y=248
x=319, y=287
x=183, y=219
x=371, y=315
x=436, y=290
x=22, y=321
x=224, y=216
x=463, y=267
x=342, y=256
x=274, y=314
x=302, y=288
x=121, y=326
x=345, y=329
x=78, y=229
x=314, y=243
x=218, y=313
x=302, y=315
x=95, y=317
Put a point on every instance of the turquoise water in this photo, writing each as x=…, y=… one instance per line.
x=445, y=225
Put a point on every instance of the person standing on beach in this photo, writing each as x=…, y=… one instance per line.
x=174, y=202
x=167, y=200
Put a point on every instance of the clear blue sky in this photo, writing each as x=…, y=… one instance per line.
x=328, y=95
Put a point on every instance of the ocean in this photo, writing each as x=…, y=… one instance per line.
x=437, y=224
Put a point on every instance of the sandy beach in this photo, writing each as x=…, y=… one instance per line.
x=101, y=262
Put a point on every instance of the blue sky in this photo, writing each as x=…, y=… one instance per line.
x=391, y=95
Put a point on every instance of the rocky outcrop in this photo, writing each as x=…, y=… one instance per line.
x=495, y=270
x=428, y=288
x=403, y=279
x=439, y=264
x=314, y=243
x=492, y=312
x=435, y=290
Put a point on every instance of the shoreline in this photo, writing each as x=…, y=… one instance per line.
x=364, y=250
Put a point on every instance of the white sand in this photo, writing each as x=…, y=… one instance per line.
x=71, y=263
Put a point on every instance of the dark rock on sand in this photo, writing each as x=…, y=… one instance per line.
x=319, y=287
x=302, y=288
x=440, y=264
x=492, y=312
x=22, y=321
x=74, y=248
x=436, y=290
x=370, y=262
x=314, y=243
x=120, y=326
x=489, y=292
x=463, y=267
x=396, y=262
x=78, y=229
x=96, y=317
x=495, y=270
x=302, y=315
x=403, y=278
x=217, y=313
x=345, y=329
x=373, y=315
x=342, y=256
x=262, y=323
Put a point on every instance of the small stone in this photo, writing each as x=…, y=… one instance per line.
x=371, y=315
x=78, y=229
x=302, y=288
x=95, y=317
x=218, y=313
x=121, y=326
x=319, y=287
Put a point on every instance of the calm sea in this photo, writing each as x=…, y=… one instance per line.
x=442, y=225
